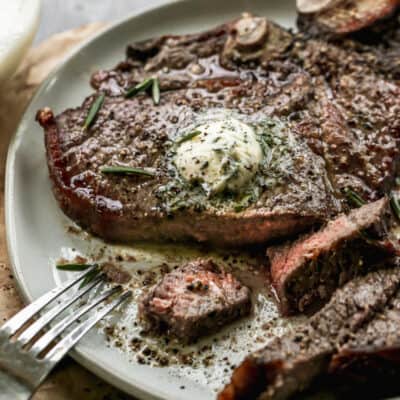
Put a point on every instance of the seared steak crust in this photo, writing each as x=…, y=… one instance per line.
x=194, y=300
x=288, y=365
x=312, y=267
x=344, y=17
x=378, y=42
x=307, y=87
x=369, y=356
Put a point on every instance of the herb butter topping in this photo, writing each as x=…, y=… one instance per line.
x=225, y=154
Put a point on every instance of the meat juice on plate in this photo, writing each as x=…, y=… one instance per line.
x=210, y=359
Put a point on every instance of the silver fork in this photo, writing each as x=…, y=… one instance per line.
x=26, y=356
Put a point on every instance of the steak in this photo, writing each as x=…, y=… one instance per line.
x=297, y=95
x=372, y=355
x=289, y=364
x=376, y=35
x=194, y=300
x=312, y=267
x=342, y=17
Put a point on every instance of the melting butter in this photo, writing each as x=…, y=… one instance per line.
x=224, y=155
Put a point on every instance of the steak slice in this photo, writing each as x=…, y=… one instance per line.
x=289, y=364
x=370, y=355
x=195, y=300
x=312, y=267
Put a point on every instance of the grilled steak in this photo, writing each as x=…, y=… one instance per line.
x=287, y=365
x=371, y=355
x=195, y=300
x=378, y=41
x=307, y=139
x=344, y=16
x=314, y=266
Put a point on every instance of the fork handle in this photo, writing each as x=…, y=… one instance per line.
x=11, y=388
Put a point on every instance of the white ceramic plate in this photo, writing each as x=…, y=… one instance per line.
x=36, y=228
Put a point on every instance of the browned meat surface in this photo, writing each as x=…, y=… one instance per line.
x=312, y=267
x=344, y=16
x=288, y=365
x=370, y=356
x=378, y=43
x=333, y=124
x=194, y=300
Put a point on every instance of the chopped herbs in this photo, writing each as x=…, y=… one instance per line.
x=155, y=91
x=187, y=137
x=394, y=202
x=89, y=277
x=243, y=204
x=354, y=198
x=122, y=170
x=140, y=87
x=94, y=109
x=148, y=83
x=74, y=267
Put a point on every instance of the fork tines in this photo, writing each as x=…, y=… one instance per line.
x=23, y=336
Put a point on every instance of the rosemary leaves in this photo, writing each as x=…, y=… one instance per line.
x=144, y=86
x=123, y=170
x=394, y=202
x=94, y=109
x=74, y=267
x=187, y=137
x=354, y=197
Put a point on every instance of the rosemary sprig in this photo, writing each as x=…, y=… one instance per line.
x=122, y=170
x=155, y=91
x=74, y=267
x=394, y=202
x=94, y=109
x=140, y=87
x=187, y=137
x=354, y=197
x=243, y=204
x=148, y=83
x=89, y=277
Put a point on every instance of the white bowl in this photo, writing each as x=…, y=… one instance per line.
x=18, y=23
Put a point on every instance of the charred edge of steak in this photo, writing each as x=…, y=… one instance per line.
x=313, y=267
x=293, y=361
x=76, y=204
x=194, y=300
x=146, y=49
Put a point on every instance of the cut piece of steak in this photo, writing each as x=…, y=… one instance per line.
x=378, y=43
x=312, y=267
x=297, y=95
x=194, y=300
x=287, y=365
x=368, y=364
